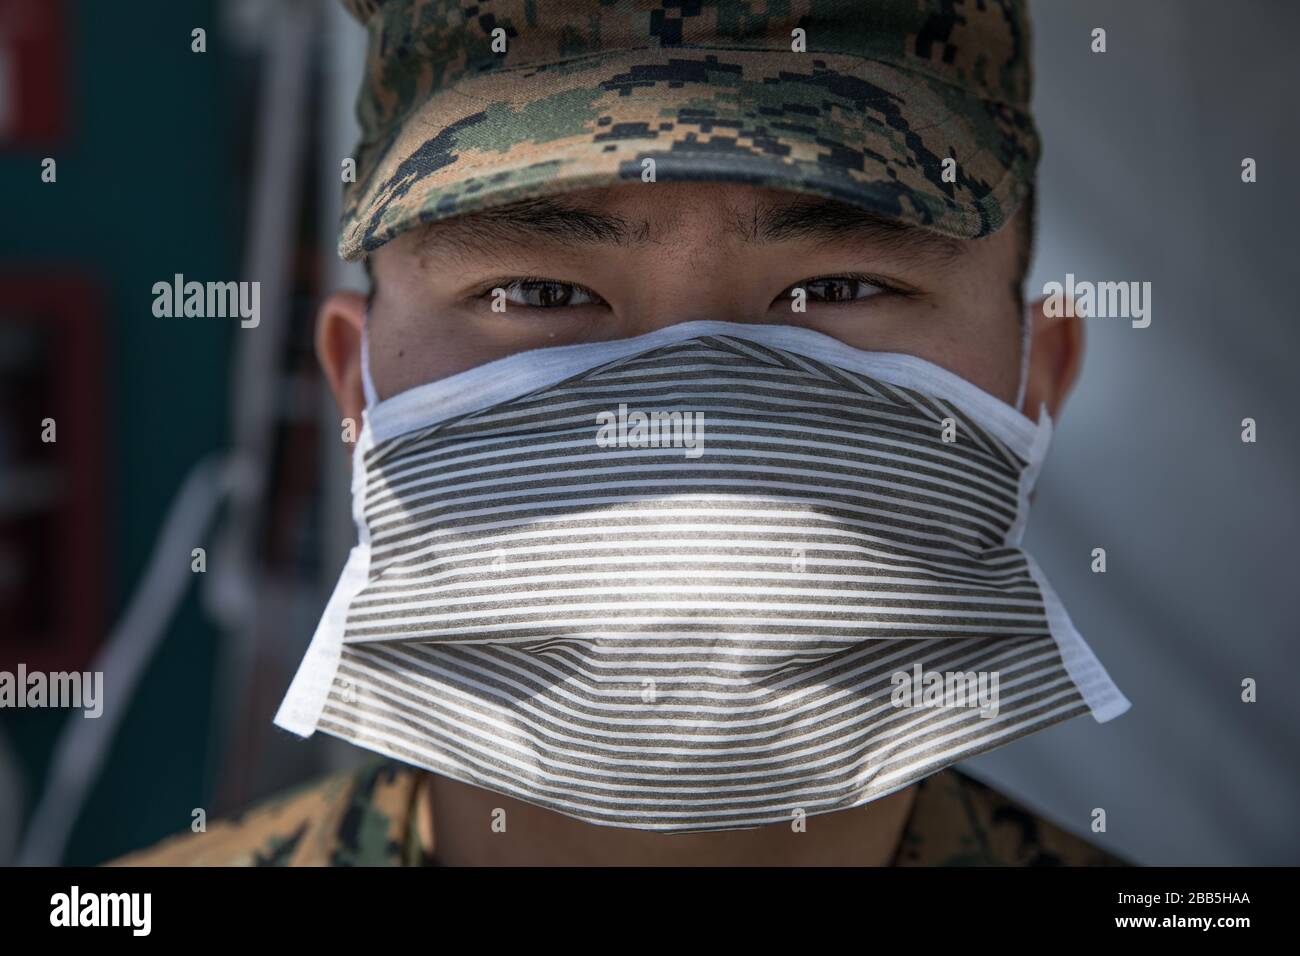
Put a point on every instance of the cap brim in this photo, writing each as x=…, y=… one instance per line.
x=845, y=128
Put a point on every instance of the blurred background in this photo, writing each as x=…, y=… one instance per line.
x=177, y=433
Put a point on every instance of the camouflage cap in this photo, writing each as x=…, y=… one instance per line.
x=864, y=105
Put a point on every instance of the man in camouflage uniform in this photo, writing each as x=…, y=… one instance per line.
x=713, y=145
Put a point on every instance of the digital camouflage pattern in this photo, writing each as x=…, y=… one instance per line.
x=365, y=817
x=376, y=816
x=709, y=89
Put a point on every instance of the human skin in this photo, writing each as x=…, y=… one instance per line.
x=627, y=260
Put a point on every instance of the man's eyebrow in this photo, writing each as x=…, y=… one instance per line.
x=830, y=221
x=814, y=219
x=531, y=219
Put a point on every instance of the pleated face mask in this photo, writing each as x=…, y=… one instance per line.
x=710, y=577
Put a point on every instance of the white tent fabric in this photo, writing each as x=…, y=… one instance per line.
x=1141, y=180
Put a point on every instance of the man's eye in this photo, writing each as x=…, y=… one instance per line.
x=837, y=289
x=548, y=294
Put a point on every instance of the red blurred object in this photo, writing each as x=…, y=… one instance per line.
x=53, y=573
x=34, y=64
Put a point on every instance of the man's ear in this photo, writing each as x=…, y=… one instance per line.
x=338, y=348
x=1055, y=357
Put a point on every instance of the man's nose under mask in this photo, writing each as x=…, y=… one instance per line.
x=710, y=577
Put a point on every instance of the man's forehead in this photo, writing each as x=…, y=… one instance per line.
x=631, y=217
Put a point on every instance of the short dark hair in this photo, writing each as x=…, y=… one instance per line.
x=1028, y=213
x=374, y=286
x=1028, y=230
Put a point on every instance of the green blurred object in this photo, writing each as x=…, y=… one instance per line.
x=148, y=185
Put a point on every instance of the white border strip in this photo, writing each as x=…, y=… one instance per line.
x=1104, y=699
x=1029, y=477
x=304, y=702
x=494, y=382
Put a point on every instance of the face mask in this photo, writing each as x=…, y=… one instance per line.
x=709, y=577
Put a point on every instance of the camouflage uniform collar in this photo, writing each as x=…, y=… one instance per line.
x=379, y=815
x=955, y=821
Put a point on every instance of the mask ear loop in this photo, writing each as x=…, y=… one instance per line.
x=367, y=383
x=1026, y=341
